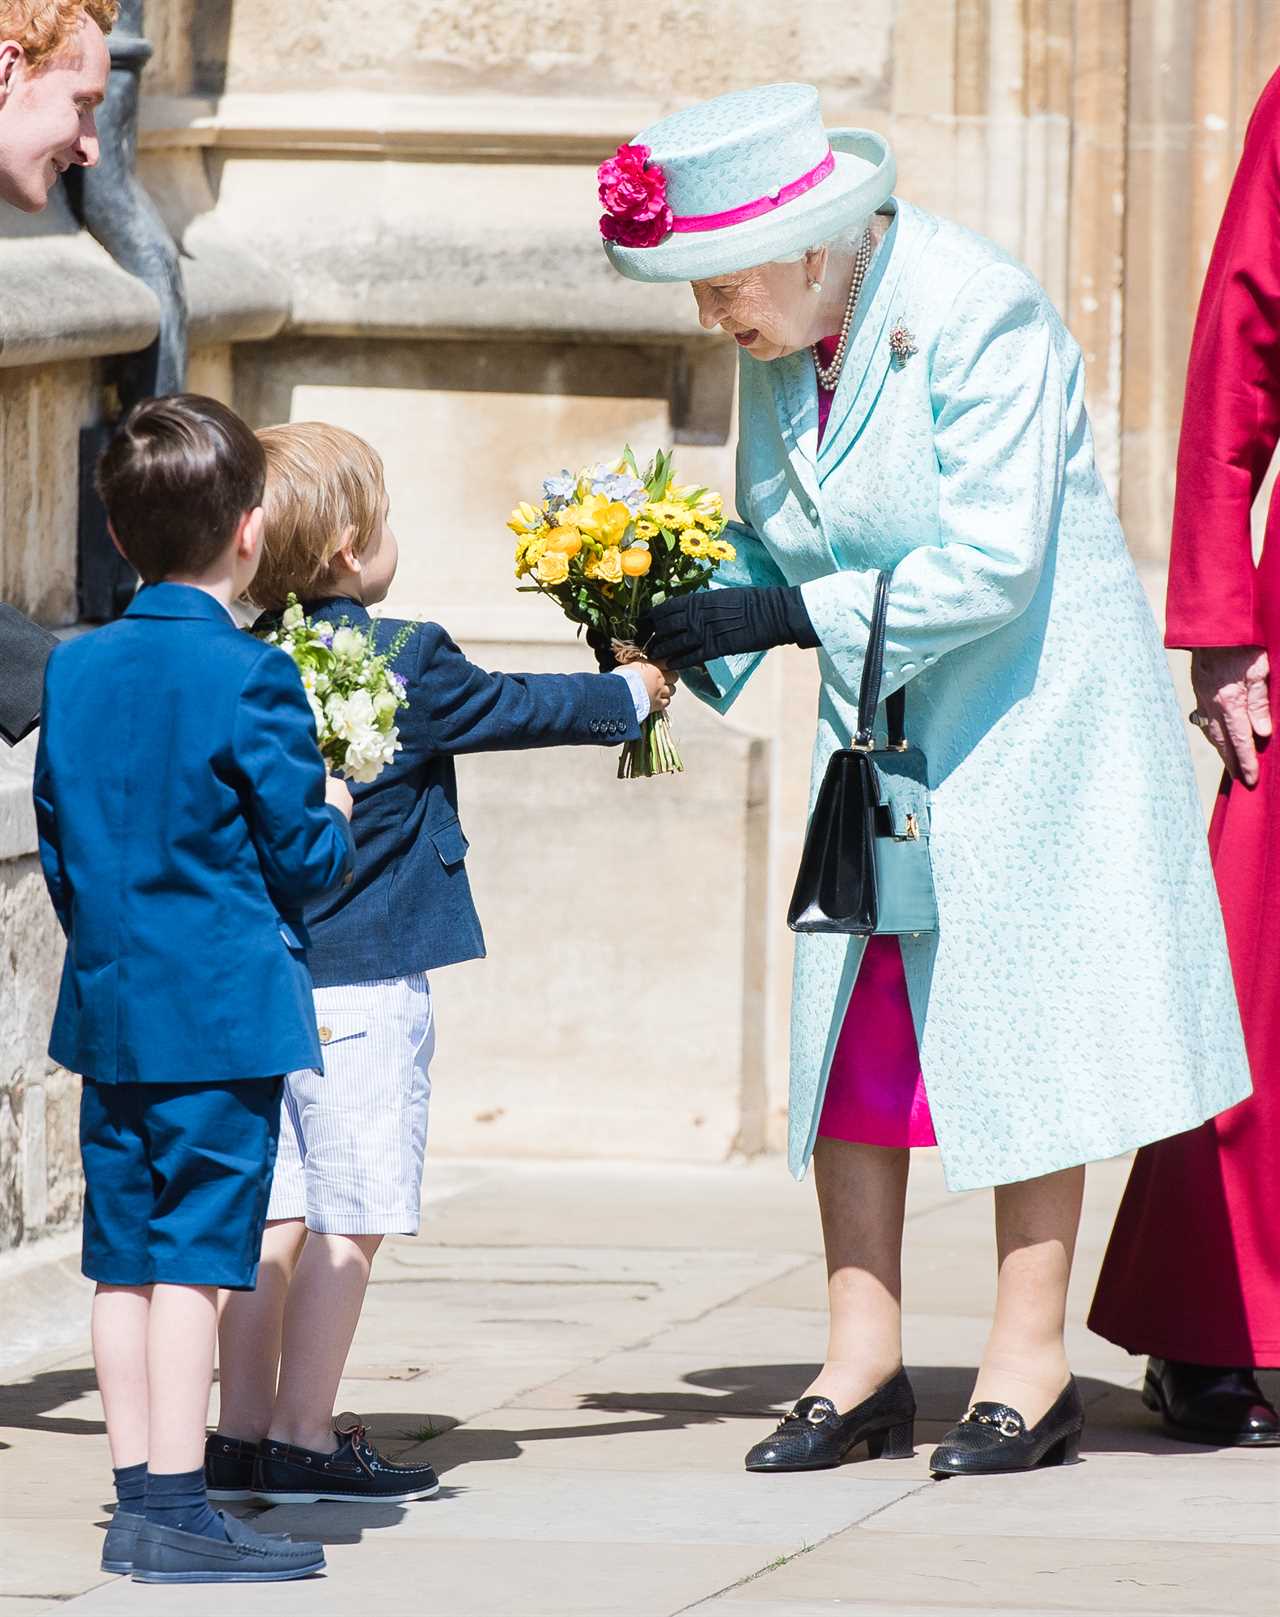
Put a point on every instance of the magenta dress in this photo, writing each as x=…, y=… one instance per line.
x=875, y=1091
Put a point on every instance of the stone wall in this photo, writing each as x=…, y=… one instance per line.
x=387, y=217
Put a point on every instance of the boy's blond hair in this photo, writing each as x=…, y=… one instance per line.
x=43, y=27
x=323, y=484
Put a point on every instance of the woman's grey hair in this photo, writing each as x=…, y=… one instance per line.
x=845, y=241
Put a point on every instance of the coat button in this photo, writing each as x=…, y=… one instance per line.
x=326, y=1033
x=813, y=513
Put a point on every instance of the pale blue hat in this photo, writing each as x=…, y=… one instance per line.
x=749, y=177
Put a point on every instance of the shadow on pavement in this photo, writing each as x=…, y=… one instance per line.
x=1116, y=1420
x=25, y=1405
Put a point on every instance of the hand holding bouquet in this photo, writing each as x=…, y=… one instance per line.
x=353, y=693
x=609, y=543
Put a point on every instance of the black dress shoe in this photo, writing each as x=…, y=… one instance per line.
x=815, y=1435
x=1203, y=1403
x=355, y=1473
x=228, y=1466
x=993, y=1438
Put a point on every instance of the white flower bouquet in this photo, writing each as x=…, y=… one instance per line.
x=353, y=691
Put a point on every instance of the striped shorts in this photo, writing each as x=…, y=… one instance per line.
x=353, y=1138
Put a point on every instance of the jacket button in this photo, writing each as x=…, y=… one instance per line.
x=326, y=1033
x=813, y=513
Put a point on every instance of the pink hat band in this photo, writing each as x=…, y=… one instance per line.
x=638, y=212
x=761, y=205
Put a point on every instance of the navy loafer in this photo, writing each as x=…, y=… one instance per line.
x=122, y=1535
x=166, y=1555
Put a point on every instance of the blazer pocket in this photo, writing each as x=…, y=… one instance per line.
x=450, y=843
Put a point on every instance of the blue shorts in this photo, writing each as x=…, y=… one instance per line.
x=177, y=1178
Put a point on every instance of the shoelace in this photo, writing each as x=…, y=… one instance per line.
x=358, y=1436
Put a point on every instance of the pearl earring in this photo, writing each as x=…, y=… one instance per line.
x=815, y=286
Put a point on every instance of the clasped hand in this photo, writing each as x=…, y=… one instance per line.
x=1231, y=686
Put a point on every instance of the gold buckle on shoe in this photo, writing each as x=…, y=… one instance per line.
x=1006, y=1426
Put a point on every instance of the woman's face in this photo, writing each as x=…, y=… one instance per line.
x=767, y=310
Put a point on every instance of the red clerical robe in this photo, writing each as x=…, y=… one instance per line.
x=1193, y=1269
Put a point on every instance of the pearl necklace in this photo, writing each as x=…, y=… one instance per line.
x=829, y=375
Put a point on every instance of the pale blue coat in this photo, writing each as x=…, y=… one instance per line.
x=1077, y=1001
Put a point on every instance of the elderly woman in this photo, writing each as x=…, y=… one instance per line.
x=910, y=402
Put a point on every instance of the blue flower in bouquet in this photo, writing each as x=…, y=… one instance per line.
x=560, y=491
x=620, y=486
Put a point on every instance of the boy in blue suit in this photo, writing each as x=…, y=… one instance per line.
x=185, y=820
x=352, y=1142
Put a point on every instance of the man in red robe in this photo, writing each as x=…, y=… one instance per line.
x=1192, y=1274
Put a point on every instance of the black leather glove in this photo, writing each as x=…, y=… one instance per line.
x=694, y=629
x=602, y=645
x=24, y=650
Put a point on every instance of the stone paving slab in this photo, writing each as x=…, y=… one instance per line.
x=467, y=1578
x=875, y=1608
x=1103, y=1497
x=617, y=1507
x=1053, y=1573
x=586, y=1354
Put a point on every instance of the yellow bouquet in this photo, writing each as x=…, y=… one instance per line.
x=607, y=544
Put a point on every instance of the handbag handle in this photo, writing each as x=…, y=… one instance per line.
x=873, y=676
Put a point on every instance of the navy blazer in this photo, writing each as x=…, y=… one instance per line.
x=183, y=827
x=409, y=907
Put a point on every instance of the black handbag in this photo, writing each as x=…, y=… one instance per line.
x=24, y=650
x=866, y=867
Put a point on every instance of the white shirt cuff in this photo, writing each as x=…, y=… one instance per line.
x=639, y=691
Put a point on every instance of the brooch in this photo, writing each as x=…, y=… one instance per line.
x=902, y=344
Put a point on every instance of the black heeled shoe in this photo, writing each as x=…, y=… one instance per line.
x=1202, y=1403
x=816, y=1436
x=993, y=1438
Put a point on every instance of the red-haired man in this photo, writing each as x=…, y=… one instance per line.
x=54, y=66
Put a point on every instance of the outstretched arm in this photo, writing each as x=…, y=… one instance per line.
x=457, y=707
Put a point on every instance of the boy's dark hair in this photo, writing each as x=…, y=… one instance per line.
x=176, y=479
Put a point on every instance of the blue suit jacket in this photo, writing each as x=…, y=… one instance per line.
x=409, y=907
x=180, y=801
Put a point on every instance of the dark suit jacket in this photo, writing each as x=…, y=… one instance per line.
x=183, y=826
x=409, y=907
x=24, y=651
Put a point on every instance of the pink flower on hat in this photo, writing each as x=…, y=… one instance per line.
x=634, y=193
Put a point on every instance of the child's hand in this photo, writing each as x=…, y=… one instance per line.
x=337, y=794
x=659, y=683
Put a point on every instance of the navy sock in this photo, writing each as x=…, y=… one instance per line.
x=180, y=1500
x=131, y=1489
